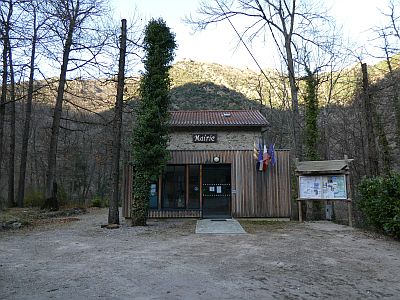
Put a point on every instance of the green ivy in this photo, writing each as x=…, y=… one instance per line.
x=151, y=133
x=379, y=200
x=311, y=116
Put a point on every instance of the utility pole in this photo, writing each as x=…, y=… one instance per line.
x=113, y=213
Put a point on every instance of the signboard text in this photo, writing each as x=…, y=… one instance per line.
x=204, y=137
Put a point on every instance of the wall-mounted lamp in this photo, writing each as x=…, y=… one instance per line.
x=216, y=159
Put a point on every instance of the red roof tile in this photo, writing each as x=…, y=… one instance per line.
x=217, y=118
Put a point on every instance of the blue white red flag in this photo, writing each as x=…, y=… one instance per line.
x=260, y=157
x=271, y=153
x=266, y=158
x=255, y=151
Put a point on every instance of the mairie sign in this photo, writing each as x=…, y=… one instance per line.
x=204, y=137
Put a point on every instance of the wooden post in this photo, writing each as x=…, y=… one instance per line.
x=299, y=204
x=300, y=209
x=113, y=212
x=348, y=190
x=350, y=213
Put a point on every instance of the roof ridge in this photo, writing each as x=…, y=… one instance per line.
x=229, y=117
x=215, y=110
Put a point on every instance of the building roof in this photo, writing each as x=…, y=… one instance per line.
x=323, y=166
x=210, y=118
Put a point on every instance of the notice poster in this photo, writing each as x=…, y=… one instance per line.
x=153, y=189
x=310, y=187
x=335, y=187
x=323, y=187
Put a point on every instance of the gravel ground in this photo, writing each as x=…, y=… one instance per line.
x=166, y=260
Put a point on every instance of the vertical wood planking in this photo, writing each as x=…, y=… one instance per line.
x=201, y=188
x=126, y=190
x=258, y=194
x=187, y=186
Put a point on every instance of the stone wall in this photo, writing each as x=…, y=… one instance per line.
x=233, y=139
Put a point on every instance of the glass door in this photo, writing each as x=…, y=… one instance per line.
x=216, y=191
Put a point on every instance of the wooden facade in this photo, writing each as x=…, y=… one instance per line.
x=255, y=194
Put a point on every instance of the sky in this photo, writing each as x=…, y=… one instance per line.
x=219, y=43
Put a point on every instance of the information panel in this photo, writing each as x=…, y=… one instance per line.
x=323, y=187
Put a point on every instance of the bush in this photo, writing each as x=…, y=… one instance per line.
x=99, y=202
x=33, y=199
x=379, y=200
x=62, y=195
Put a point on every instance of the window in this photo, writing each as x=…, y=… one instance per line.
x=194, y=187
x=174, y=187
x=153, y=196
x=181, y=187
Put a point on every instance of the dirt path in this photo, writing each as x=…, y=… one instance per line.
x=166, y=260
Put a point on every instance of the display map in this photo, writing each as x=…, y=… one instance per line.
x=323, y=187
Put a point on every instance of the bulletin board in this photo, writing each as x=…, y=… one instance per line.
x=326, y=181
x=330, y=187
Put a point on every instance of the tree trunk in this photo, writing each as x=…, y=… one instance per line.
x=11, y=166
x=287, y=33
x=396, y=105
x=395, y=97
x=383, y=142
x=373, y=166
x=55, y=128
x=295, y=101
x=3, y=99
x=113, y=213
x=27, y=123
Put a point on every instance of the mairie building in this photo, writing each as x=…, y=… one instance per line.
x=213, y=170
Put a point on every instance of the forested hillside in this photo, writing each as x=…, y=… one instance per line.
x=85, y=138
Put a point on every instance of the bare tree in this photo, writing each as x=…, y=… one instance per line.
x=76, y=25
x=11, y=161
x=37, y=20
x=5, y=28
x=283, y=22
x=388, y=39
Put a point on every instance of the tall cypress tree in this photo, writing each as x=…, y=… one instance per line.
x=314, y=209
x=150, y=136
x=311, y=116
